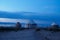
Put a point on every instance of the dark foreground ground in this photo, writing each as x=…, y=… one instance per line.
x=30, y=34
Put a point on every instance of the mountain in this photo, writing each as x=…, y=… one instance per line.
x=31, y=16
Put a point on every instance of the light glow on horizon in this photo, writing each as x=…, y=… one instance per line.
x=13, y=20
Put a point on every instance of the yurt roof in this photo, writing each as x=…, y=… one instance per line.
x=31, y=22
x=53, y=23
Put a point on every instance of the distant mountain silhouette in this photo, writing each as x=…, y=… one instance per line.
x=7, y=23
x=30, y=15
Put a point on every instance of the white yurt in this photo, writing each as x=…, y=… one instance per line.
x=31, y=24
x=54, y=25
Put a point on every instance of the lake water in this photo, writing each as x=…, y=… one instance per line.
x=30, y=35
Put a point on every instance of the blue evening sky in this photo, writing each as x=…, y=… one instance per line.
x=40, y=6
x=30, y=9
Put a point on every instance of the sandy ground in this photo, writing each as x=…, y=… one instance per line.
x=30, y=35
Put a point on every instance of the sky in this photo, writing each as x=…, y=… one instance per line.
x=39, y=6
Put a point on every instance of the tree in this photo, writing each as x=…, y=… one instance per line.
x=18, y=25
